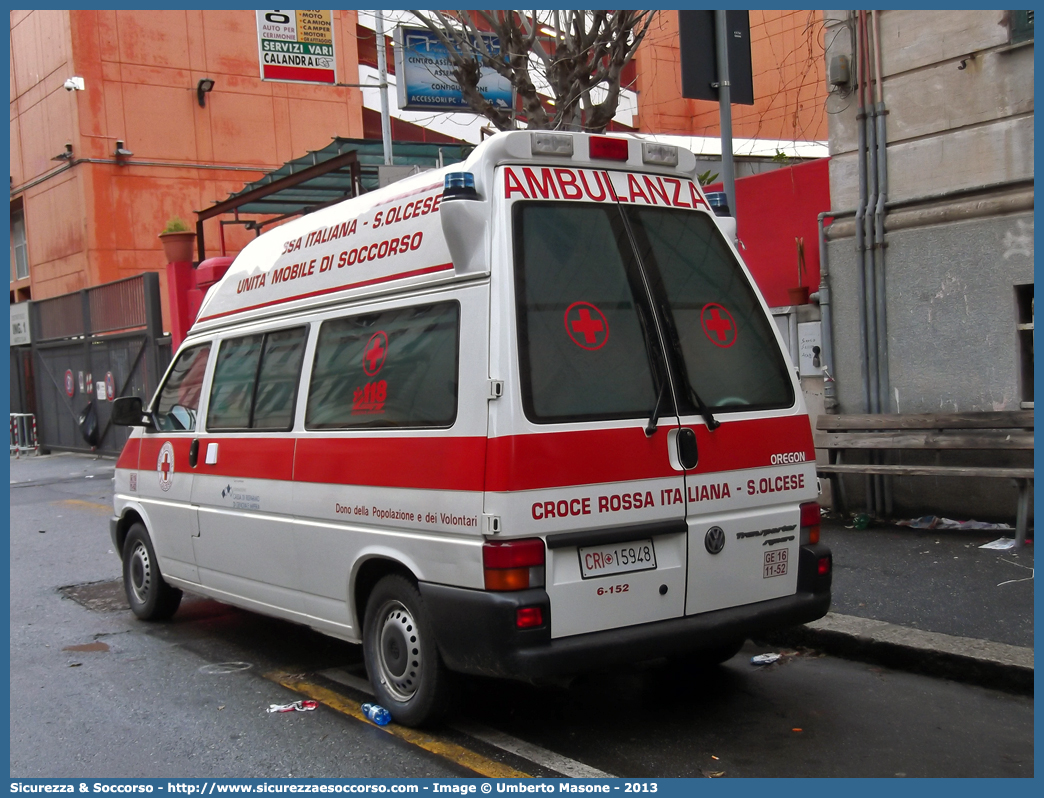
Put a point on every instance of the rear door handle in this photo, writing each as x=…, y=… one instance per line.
x=688, y=452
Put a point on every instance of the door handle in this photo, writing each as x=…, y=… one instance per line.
x=688, y=452
x=194, y=452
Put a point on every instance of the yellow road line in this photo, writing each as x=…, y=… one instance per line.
x=447, y=750
x=107, y=508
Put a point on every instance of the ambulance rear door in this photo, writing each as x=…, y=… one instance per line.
x=582, y=446
x=738, y=394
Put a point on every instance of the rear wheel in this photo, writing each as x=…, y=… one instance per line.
x=149, y=595
x=402, y=659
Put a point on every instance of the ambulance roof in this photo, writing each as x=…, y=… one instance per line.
x=390, y=239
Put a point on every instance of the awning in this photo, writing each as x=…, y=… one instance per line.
x=344, y=168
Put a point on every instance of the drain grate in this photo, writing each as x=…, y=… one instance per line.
x=98, y=596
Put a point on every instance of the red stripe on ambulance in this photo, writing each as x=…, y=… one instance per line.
x=509, y=463
x=435, y=463
x=442, y=267
x=560, y=459
x=129, y=455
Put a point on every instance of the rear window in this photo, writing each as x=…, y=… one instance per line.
x=727, y=341
x=396, y=368
x=587, y=347
x=582, y=352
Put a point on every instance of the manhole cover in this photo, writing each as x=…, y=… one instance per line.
x=98, y=596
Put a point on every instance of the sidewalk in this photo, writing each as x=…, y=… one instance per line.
x=930, y=601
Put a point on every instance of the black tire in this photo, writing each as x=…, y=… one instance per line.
x=149, y=595
x=402, y=659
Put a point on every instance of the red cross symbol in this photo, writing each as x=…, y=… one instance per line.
x=376, y=351
x=718, y=325
x=587, y=321
x=165, y=466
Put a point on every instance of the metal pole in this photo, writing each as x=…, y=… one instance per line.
x=382, y=69
x=860, y=229
x=883, y=385
x=829, y=388
x=728, y=174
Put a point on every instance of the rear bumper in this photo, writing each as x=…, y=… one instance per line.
x=477, y=634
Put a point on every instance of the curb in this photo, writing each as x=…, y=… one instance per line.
x=965, y=659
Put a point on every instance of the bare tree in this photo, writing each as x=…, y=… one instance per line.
x=575, y=56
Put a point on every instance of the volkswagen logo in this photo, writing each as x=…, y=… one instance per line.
x=715, y=540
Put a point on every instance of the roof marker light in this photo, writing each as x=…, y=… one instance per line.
x=608, y=149
x=552, y=144
x=662, y=154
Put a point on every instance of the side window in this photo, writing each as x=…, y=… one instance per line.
x=178, y=400
x=278, y=378
x=397, y=368
x=235, y=375
x=255, y=381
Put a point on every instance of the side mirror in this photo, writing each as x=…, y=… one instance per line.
x=127, y=411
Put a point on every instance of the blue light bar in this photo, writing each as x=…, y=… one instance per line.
x=459, y=185
x=719, y=201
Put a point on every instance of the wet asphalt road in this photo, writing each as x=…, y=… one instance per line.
x=145, y=705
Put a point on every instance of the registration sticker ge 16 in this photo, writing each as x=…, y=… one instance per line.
x=775, y=563
x=622, y=558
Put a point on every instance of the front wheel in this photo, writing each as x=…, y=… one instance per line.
x=402, y=659
x=149, y=595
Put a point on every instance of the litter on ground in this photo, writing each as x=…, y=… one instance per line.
x=935, y=522
x=765, y=659
x=296, y=706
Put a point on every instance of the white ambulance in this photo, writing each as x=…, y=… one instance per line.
x=523, y=416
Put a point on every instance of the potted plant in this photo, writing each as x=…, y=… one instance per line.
x=799, y=295
x=179, y=241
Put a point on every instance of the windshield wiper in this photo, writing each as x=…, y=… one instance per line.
x=708, y=417
x=650, y=352
x=650, y=428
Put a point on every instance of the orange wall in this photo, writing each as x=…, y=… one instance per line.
x=98, y=222
x=789, y=82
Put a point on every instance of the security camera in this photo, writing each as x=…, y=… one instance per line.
x=74, y=84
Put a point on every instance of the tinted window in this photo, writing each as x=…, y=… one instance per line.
x=278, y=378
x=178, y=400
x=255, y=381
x=582, y=351
x=727, y=342
x=397, y=368
x=235, y=374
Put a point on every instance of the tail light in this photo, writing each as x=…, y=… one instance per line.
x=607, y=148
x=809, y=523
x=513, y=564
x=823, y=566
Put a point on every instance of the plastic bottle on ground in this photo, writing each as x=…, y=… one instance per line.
x=377, y=714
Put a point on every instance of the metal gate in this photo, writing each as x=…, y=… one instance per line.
x=90, y=347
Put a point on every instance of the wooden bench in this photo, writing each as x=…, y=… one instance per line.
x=939, y=432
